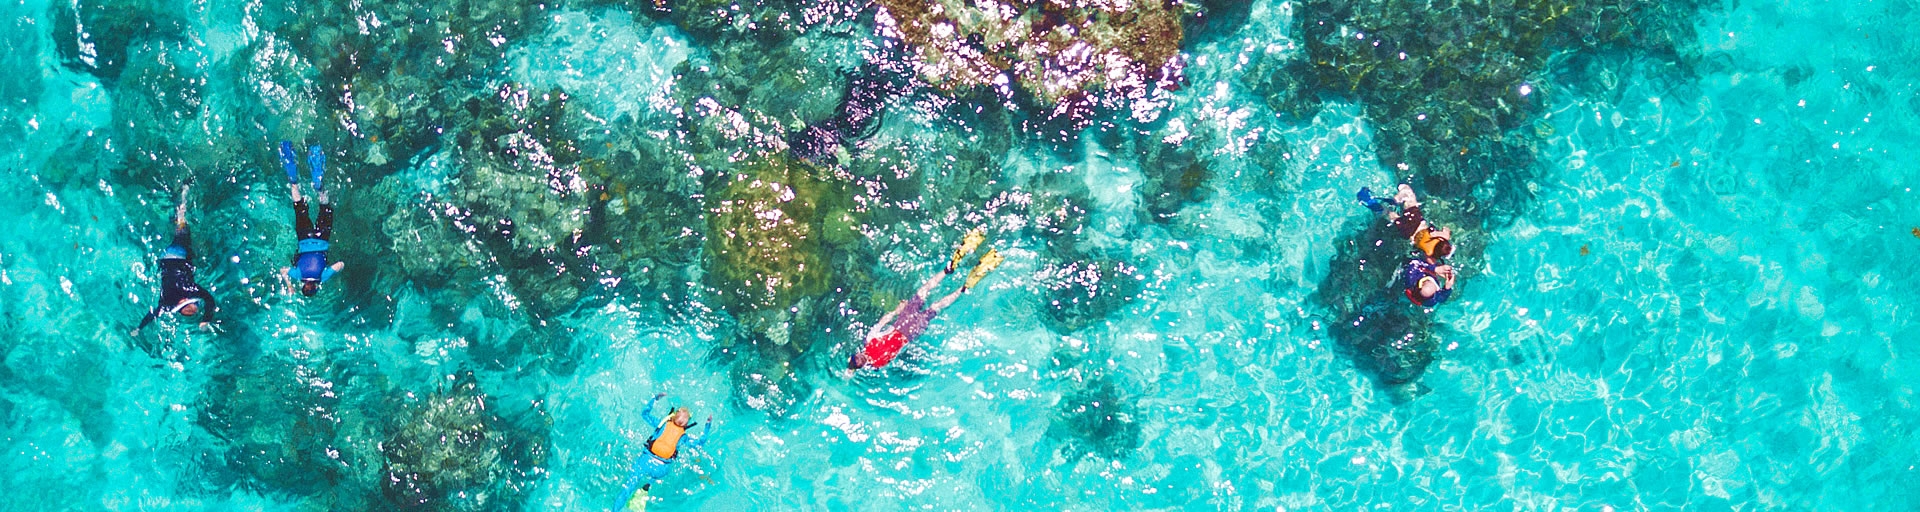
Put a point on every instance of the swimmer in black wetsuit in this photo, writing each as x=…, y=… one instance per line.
x=178, y=291
x=310, y=266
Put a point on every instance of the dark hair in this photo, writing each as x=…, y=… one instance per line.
x=308, y=288
x=1443, y=248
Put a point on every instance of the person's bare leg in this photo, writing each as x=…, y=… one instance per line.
x=1405, y=197
x=946, y=301
x=294, y=190
x=926, y=288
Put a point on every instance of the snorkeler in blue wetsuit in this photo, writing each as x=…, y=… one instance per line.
x=179, y=293
x=662, y=449
x=310, y=266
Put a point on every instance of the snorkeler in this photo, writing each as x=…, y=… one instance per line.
x=178, y=291
x=310, y=262
x=1427, y=280
x=662, y=449
x=908, y=320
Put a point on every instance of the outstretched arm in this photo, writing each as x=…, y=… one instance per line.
x=706, y=429
x=180, y=210
x=206, y=317
x=148, y=320
x=648, y=414
x=881, y=326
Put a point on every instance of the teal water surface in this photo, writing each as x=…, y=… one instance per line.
x=1684, y=231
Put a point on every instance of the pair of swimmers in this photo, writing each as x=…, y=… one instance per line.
x=884, y=342
x=1426, y=277
x=179, y=292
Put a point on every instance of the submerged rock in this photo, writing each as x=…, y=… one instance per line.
x=1455, y=92
x=764, y=240
x=1082, y=292
x=96, y=36
x=1387, y=336
x=1096, y=413
x=290, y=427
x=1454, y=88
x=454, y=451
x=1069, y=58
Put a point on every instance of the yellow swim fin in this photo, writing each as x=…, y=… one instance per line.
x=638, y=503
x=989, y=261
x=967, y=245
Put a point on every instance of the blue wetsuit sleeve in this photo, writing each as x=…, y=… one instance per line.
x=1442, y=296
x=326, y=273
x=648, y=414
x=696, y=442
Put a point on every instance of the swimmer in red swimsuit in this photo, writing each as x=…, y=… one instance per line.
x=907, y=321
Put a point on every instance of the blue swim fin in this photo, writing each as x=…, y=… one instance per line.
x=289, y=161
x=318, y=161
x=1372, y=203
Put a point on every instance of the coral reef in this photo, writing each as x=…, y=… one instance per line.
x=764, y=236
x=1081, y=292
x=381, y=68
x=1175, y=176
x=454, y=452
x=1096, y=413
x=1069, y=57
x=280, y=421
x=96, y=37
x=868, y=92
x=1387, y=337
x=1455, y=92
x=1454, y=88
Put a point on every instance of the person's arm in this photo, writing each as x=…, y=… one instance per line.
x=206, y=317
x=155, y=313
x=881, y=326
x=648, y=414
x=706, y=429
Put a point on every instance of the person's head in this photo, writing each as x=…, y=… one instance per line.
x=190, y=307
x=1442, y=249
x=681, y=417
x=1428, y=288
x=857, y=360
x=308, y=287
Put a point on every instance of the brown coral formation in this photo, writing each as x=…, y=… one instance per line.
x=765, y=235
x=1069, y=55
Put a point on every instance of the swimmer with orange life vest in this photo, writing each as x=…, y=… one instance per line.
x=908, y=320
x=669, y=436
x=1426, y=277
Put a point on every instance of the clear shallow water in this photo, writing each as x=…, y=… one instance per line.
x=1701, y=307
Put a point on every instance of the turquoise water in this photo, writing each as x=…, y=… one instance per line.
x=1683, y=282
